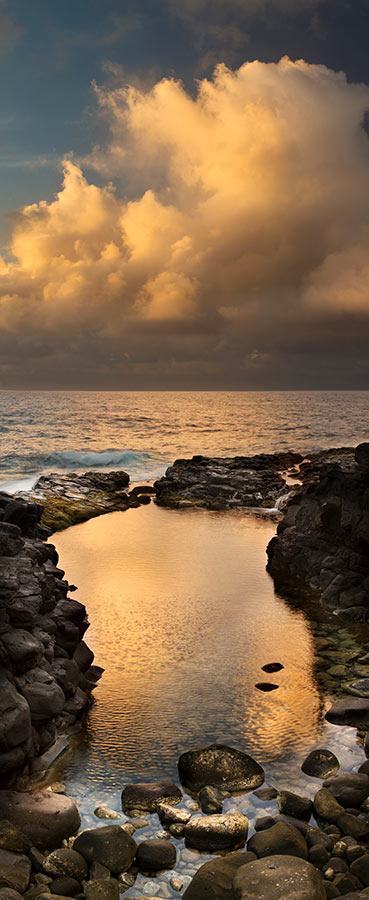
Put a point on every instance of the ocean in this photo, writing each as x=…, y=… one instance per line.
x=143, y=431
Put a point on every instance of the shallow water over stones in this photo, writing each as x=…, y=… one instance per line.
x=183, y=617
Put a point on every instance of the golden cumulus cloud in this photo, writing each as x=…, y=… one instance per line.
x=236, y=216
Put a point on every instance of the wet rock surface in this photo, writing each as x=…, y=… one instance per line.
x=322, y=543
x=68, y=498
x=42, y=653
x=219, y=766
x=225, y=483
x=283, y=878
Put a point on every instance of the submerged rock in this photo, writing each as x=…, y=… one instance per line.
x=320, y=763
x=266, y=686
x=219, y=766
x=147, y=797
x=280, y=878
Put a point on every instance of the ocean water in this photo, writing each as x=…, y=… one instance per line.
x=142, y=432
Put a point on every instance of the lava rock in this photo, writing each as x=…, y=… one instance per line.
x=320, y=764
x=66, y=862
x=293, y=805
x=216, y=832
x=219, y=766
x=147, y=797
x=213, y=881
x=279, y=878
x=155, y=855
x=45, y=817
x=277, y=840
x=109, y=845
x=350, y=789
x=211, y=800
x=15, y=870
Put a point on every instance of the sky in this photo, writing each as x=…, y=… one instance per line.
x=184, y=194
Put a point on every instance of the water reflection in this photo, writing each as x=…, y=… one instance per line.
x=183, y=615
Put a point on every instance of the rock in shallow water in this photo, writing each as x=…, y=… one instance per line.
x=350, y=789
x=148, y=796
x=349, y=711
x=219, y=766
x=320, y=764
x=216, y=832
x=280, y=878
x=155, y=855
x=109, y=845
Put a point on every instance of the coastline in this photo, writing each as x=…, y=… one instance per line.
x=325, y=650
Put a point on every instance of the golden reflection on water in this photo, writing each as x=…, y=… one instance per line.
x=183, y=615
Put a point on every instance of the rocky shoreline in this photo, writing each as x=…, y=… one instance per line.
x=276, y=843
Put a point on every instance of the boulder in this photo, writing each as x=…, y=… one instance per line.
x=219, y=766
x=211, y=800
x=109, y=845
x=12, y=838
x=15, y=870
x=320, y=764
x=155, y=855
x=350, y=789
x=216, y=832
x=147, y=797
x=66, y=862
x=45, y=817
x=65, y=886
x=293, y=805
x=169, y=815
x=279, y=878
x=22, y=648
x=349, y=711
x=213, y=881
x=279, y=839
x=326, y=806
x=9, y=894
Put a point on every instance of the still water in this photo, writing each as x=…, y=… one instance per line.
x=183, y=615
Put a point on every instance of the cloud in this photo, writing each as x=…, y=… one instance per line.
x=233, y=220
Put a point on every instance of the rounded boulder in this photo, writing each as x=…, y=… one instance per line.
x=216, y=832
x=219, y=766
x=279, y=878
x=43, y=816
x=109, y=845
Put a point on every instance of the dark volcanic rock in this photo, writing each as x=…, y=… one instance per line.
x=70, y=498
x=147, y=797
x=213, y=881
x=41, y=629
x=109, y=845
x=279, y=839
x=219, y=766
x=292, y=805
x=155, y=855
x=15, y=870
x=46, y=818
x=350, y=789
x=322, y=544
x=320, y=764
x=216, y=832
x=224, y=483
x=280, y=878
